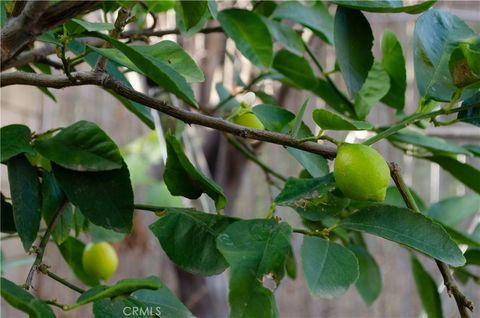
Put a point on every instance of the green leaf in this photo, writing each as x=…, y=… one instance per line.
x=190, y=12
x=7, y=222
x=375, y=87
x=385, y=5
x=436, y=34
x=287, y=36
x=138, y=109
x=183, y=179
x=329, y=268
x=101, y=234
x=369, y=282
x=296, y=69
x=274, y=118
x=167, y=52
x=256, y=250
x=353, y=44
x=104, y=197
x=90, y=26
x=408, y=228
x=72, y=251
x=315, y=164
x=314, y=16
x=250, y=34
x=434, y=144
x=464, y=65
x=465, y=173
x=15, y=139
x=427, y=289
x=334, y=98
x=291, y=265
x=471, y=114
x=26, y=199
x=331, y=121
x=454, y=210
x=82, y=146
x=175, y=230
x=393, y=197
x=472, y=255
x=393, y=62
x=22, y=300
x=158, y=71
x=121, y=288
x=461, y=237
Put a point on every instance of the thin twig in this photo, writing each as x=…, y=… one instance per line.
x=44, y=269
x=462, y=301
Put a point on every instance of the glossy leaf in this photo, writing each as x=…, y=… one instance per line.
x=331, y=121
x=255, y=250
x=471, y=114
x=369, y=282
x=104, y=197
x=274, y=118
x=190, y=12
x=334, y=98
x=436, y=35
x=82, y=146
x=315, y=164
x=353, y=44
x=427, y=289
x=7, y=222
x=183, y=179
x=465, y=173
x=472, y=255
x=314, y=16
x=72, y=251
x=250, y=34
x=175, y=229
x=375, y=87
x=454, y=210
x=24, y=301
x=15, y=139
x=285, y=35
x=393, y=62
x=296, y=69
x=408, y=228
x=93, y=26
x=328, y=268
x=26, y=198
x=386, y=5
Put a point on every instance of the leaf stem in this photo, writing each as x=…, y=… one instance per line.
x=146, y=207
x=44, y=269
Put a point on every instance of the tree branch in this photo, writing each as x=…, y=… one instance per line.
x=44, y=269
x=462, y=301
x=160, y=33
x=189, y=117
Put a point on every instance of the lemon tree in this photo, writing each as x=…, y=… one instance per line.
x=73, y=184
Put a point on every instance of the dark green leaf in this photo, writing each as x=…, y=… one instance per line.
x=472, y=255
x=26, y=200
x=465, y=173
x=427, y=289
x=296, y=69
x=406, y=227
x=369, y=283
x=104, y=197
x=454, y=210
x=72, y=251
x=183, y=179
x=190, y=12
x=284, y=34
x=461, y=237
x=82, y=146
x=315, y=164
x=91, y=26
x=189, y=239
x=274, y=118
x=393, y=63
x=314, y=16
x=334, y=98
x=291, y=265
x=331, y=121
x=471, y=114
x=394, y=198
x=22, y=300
x=353, y=44
x=250, y=34
x=7, y=222
x=329, y=268
x=436, y=34
x=15, y=139
x=375, y=87
x=385, y=5
x=256, y=250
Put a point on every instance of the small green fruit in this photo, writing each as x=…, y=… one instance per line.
x=361, y=173
x=248, y=119
x=100, y=260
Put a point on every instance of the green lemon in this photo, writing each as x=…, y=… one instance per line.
x=248, y=119
x=361, y=173
x=100, y=260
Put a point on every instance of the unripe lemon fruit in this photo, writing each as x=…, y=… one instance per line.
x=361, y=173
x=100, y=260
x=248, y=119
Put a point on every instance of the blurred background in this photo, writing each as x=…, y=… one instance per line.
x=245, y=184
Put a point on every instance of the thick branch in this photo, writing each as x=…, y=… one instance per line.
x=189, y=117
